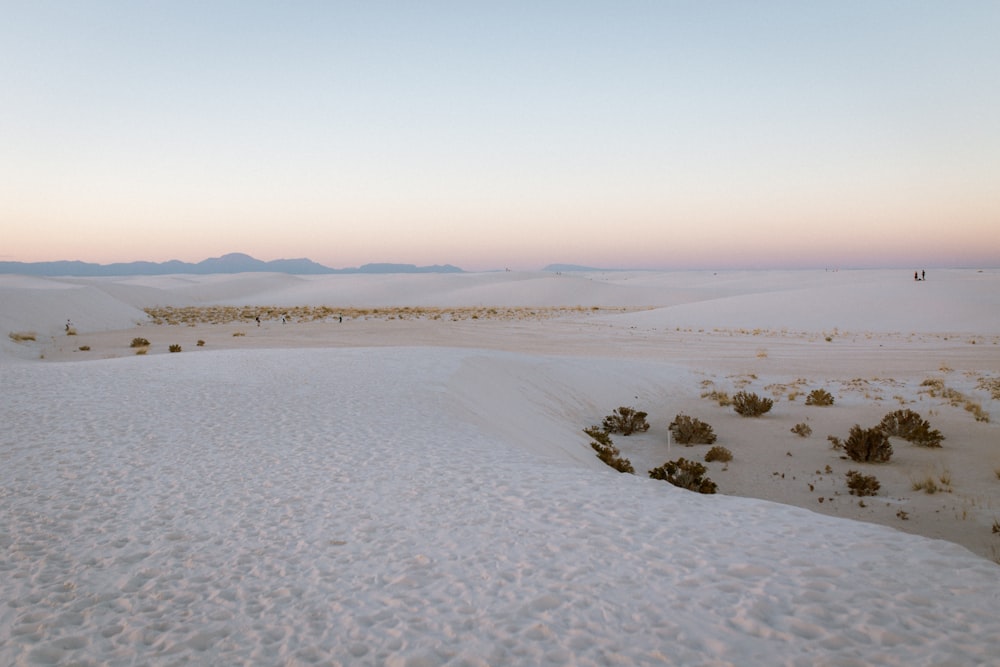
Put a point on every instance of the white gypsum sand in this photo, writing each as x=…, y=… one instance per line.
x=410, y=487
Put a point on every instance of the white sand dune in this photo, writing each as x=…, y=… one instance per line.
x=418, y=492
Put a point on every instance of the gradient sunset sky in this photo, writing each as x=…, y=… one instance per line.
x=656, y=134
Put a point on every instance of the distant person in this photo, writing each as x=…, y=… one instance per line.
x=258, y=320
x=923, y=275
x=916, y=276
x=69, y=325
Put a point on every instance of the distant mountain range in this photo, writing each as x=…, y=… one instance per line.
x=231, y=263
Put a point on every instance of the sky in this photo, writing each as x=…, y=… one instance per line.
x=628, y=134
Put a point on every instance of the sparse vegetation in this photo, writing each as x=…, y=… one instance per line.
x=751, y=405
x=718, y=453
x=910, y=426
x=865, y=445
x=862, y=485
x=686, y=474
x=22, y=336
x=691, y=431
x=84, y=348
x=200, y=343
x=720, y=397
x=606, y=450
x=139, y=342
x=70, y=331
x=626, y=421
x=175, y=348
x=802, y=429
x=819, y=397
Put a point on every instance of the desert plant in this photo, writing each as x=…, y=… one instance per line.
x=142, y=350
x=85, y=348
x=200, y=343
x=611, y=456
x=751, y=405
x=718, y=453
x=626, y=421
x=598, y=434
x=690, y=431
x=819, y=397
x=862, y=485
x=802, y=429
x=21, y=336
x=139, y=342
x=868, y=445
x=910, y=426
x=686, y=474
x=70, y=331
x=175, y=348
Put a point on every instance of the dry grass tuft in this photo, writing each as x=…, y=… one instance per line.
x=22, y=336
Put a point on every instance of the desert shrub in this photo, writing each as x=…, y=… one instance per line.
x=802, y=429
x=686, y=474
x=718, y=453
x=175, y=348
x=21, y=336
x=200, y=343
x=142, y=350
x=139, y=342
x=862, y=485
x=819, y=397
x=910, y=426
x=85, y=348
x=690, y=431
x=751, y=405
x=868, y=445
x=70, y=331
x=598, y=434
x=626, y=421
x=611, y=456
x=721, y=397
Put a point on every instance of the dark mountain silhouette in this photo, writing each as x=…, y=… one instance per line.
x=232, y=263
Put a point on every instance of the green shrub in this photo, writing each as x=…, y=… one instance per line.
x=175, y=348
x=718, y=453
x=751, y=405
x=910, y=426
x=139, y=342
x=819, y=397
x=625, y=421
x=802, y=429
x=686, y=474
x=866, y=445
x=690, y=431
x=862, y=485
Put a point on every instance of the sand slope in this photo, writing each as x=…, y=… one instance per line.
x=406, y=490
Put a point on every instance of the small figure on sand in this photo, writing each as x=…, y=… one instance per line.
x=923, y=275
x=916, y=276
x=258, y=320
x=69, y=325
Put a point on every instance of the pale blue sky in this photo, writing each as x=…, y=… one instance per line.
x=628, y=134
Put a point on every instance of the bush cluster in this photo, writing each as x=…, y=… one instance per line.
x=910, y=426
x=686, y=474
x=802, y=429
x=751, y=405
x=865, y=445
x=175, y=348
x=626, y=421
x=862, y=485
x=690, y=431
x=718, y=453
x=819, y=397
x=139, y=342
